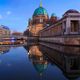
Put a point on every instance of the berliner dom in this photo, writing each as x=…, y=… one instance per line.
x=39, y=19
x=38, y=60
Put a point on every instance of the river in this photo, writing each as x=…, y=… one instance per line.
x=37, y=62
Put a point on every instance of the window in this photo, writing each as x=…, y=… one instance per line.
x=41, y=20
x=74, y=64
x=74, y=26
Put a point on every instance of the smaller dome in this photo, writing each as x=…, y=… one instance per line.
x=53, y=15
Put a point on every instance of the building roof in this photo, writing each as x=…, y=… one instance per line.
x=40, y=11
x=4, y=27
x=71, y=11
x=17, y=33
x=53, y=15
x=40, y=67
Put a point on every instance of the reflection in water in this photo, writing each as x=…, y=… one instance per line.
x=49, y=63
x=4, y=49
x=65, y=49
x=68, y=62
x=72, y=50
x=38, y=60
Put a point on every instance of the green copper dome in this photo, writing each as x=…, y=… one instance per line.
x=53, y=14
x=40, y=67
x=40, y=11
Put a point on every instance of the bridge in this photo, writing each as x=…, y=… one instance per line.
x=13, y=37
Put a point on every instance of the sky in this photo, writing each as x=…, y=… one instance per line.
x=15, y=13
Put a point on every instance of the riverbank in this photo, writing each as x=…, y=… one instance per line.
x=11, y=43
x=65, y=40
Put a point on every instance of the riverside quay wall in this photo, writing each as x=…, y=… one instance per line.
x=69, y=40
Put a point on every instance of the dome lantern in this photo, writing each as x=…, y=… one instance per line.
x=40, y=3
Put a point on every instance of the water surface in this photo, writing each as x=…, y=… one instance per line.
x=33, y=62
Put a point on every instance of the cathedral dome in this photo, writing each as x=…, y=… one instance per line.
x=40, y=11
x=40, y=67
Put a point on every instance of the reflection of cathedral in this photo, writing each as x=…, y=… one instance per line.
x=69, y=64
x=37, y=59
x=39, y=19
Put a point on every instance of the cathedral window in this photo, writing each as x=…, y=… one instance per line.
x=41, y=20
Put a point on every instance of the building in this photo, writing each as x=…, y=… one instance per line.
x=4, y=32
x=17, y=34
x=68, y=24
x=39, y=62
x=26, y=32
x=39, y=20
x=68, y=60
x=51, y=29
x=64, y=31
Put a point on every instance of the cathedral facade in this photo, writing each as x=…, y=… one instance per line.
x=39, y=21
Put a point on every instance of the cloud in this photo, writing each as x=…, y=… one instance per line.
x=4, y=16
x=1, y=16
x=9, y=12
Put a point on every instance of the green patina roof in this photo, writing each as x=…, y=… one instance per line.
x=40, y=11
x=40, y=67
x=53, y=14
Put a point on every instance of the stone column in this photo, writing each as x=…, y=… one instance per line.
x=68, y=26
x=79, y=26
x=64, y=26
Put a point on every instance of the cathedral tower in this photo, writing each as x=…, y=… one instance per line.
x=39, y=19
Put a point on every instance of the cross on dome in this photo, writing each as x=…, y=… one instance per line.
x=40, y=3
